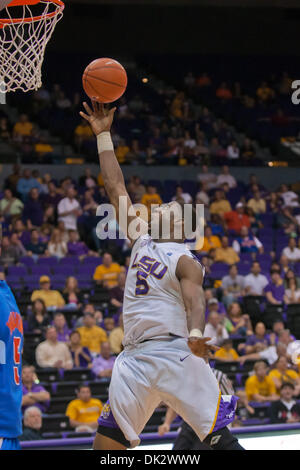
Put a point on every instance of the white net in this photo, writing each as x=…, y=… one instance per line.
x=24, y=35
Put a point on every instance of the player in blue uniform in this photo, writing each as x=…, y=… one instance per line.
x=11, y=344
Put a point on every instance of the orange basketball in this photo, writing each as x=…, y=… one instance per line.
x=104, y=80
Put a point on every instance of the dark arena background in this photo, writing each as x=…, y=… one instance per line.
x=211, y=116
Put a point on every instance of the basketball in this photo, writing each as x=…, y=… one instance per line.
x=104, y=80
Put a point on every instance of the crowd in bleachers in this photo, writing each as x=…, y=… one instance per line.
x=263, y=110
x=156, y=125
x=69, y=286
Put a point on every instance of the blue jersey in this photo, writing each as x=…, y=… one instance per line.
x=11, y=344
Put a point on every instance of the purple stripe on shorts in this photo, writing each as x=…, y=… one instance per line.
x=226, y=411
x=107, y=418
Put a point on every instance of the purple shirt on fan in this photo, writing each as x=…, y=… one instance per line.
x=100, y=364
x=82, y=360
x=253, y=340
x=276, y=291
x=77, y=248
x=36, y=389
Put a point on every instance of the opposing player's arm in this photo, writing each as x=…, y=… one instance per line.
x=189, y=272
x=100, y=120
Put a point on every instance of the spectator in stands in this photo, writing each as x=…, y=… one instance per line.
x=22, y=128
x=209, y=179
x=117, y=293
x=210, y=241
x=247, y=151
x=226, y=177
x=213, y=305
x=35, y=247
x=202, y=197
x=34, y=394
x=52, y=298
x=10, y=255
x=62, y=102
x=150, y=197
x=292, y=293
x=291, y=251
x=233, y=151
x=92, y=336
x=282, y=373
x=33, y=214
x=286, y=409
x=56, y=246
x=232, y=286
x=286, y=269
x=5, y=131
x=237, y=219
x=267, y=353
x=290, y=198
x=62, y=329
x=103, y=364
x=259, y=337
x=71, y=293
x=10, y=206
x=76, y=247
x=26, y=183
x=69, y=209
x=259, y=387
x=53, y=353
x=88, y=180
x=220, y=205
x=236, y=322
x=264, y=92
x=13, y=178
x=39, y=319
x=64, y=232
x=274, y=291
x=215, y=329
x=226, y=353
x=121, y=151
x=225, y=253
x=116, y=337
x=82, y=133
x=52, y=197
x=16, y=243
x=81, y=355
x=43, y=149
x=247, y=243
x=108, y=324
x=106, y=274
x=180, y=196
x=223, y=92
x=257, y=203
x=90, y=308
x=32, y=424
x=84, y=411
x=255, y=282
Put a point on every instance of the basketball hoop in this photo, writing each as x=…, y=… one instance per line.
x=25, y=29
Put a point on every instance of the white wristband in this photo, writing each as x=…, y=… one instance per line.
x=104, y=142
x=195, y=333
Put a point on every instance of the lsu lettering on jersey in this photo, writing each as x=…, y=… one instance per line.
x=11, y=344
x=153, y=304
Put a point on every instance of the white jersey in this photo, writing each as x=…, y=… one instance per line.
x=153, y=304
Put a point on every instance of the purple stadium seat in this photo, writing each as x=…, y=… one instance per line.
x=67, y=270
x=20, y=271
x=51, y=261
x=41, y=270
x=27, y=260
x=70, y=261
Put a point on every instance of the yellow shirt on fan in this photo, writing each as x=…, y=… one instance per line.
x=84, y=412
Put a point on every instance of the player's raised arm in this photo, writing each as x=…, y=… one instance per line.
x=190, y=275
x=100, y=120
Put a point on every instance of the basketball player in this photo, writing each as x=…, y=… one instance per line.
x=164, y=357
x=11, y=343
x=187, y=439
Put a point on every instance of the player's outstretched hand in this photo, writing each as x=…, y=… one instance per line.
x=200, y=348
x=100, y=118
x=163, y=429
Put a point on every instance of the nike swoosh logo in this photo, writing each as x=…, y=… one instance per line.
x=183, y=358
